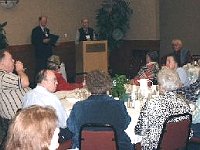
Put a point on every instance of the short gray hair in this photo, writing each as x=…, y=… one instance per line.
x=177, y=41
x=168, y=79
x=98, y=82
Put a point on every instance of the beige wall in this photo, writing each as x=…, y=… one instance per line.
x=180, y=19
x=64, y=17
x=144, y=23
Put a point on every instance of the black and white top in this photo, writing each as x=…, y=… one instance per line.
x=154, y=113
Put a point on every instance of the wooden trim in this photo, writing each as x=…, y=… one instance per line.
x=122, y=60
x=26, y=53
x=119, y=59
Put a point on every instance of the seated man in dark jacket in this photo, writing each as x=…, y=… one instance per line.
x=182, y=55
x=100, y=108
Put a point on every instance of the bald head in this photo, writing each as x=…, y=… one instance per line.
x=43, y=21
x=85, y=23
x=47, y=79
x=176, y=44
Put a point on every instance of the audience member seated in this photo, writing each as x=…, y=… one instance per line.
x=43, y=95
x=162, y=62
x=157, y=110
x=195, y=125
x=54, y=64
x=85, y=33
x=172, y=63
x=12, y=89
x=191, y=92
x=100, y=108
x=150, y=70
x=183, y=56
x=34, y=128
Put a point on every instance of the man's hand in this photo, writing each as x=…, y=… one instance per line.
x=19, y=67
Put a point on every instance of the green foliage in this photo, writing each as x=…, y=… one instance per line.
x=118, y=89
x=113, y=21
x=3, y=39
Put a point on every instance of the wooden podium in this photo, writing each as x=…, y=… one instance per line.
x=91, y=55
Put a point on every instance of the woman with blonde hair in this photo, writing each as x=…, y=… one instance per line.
x=34, y=128
x=54, y=64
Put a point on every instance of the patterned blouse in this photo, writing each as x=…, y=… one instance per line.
x=154, y=113
x=149, y=71
x=191, y=92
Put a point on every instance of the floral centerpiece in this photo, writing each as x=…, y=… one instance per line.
x=118, y=89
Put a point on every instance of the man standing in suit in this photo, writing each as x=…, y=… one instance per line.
x=41, y=42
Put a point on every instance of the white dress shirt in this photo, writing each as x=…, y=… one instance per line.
x=41, y=96
x=183, y=76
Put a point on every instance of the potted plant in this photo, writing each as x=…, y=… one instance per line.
x=118, y=89
x=113, y=21
x=3, y=39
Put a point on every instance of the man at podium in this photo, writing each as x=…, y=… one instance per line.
x=85, y=33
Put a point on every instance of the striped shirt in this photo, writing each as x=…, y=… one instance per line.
x=11, y=94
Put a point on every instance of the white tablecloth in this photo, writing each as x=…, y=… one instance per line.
x=134, y=114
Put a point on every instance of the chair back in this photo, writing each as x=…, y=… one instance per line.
x=65, y=145
x=97, y=137
x=175, y=135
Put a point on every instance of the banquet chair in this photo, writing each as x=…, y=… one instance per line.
x=175, y=135
x=4, y=125
x=194, y=143
x=65, y=145
x=95, y=136
x=195, y=140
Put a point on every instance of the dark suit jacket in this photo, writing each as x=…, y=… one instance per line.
x=82, y=36
x=183, y=56
x=101, y=109
x=42, y=50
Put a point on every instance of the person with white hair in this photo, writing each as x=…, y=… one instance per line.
x=157, y=110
